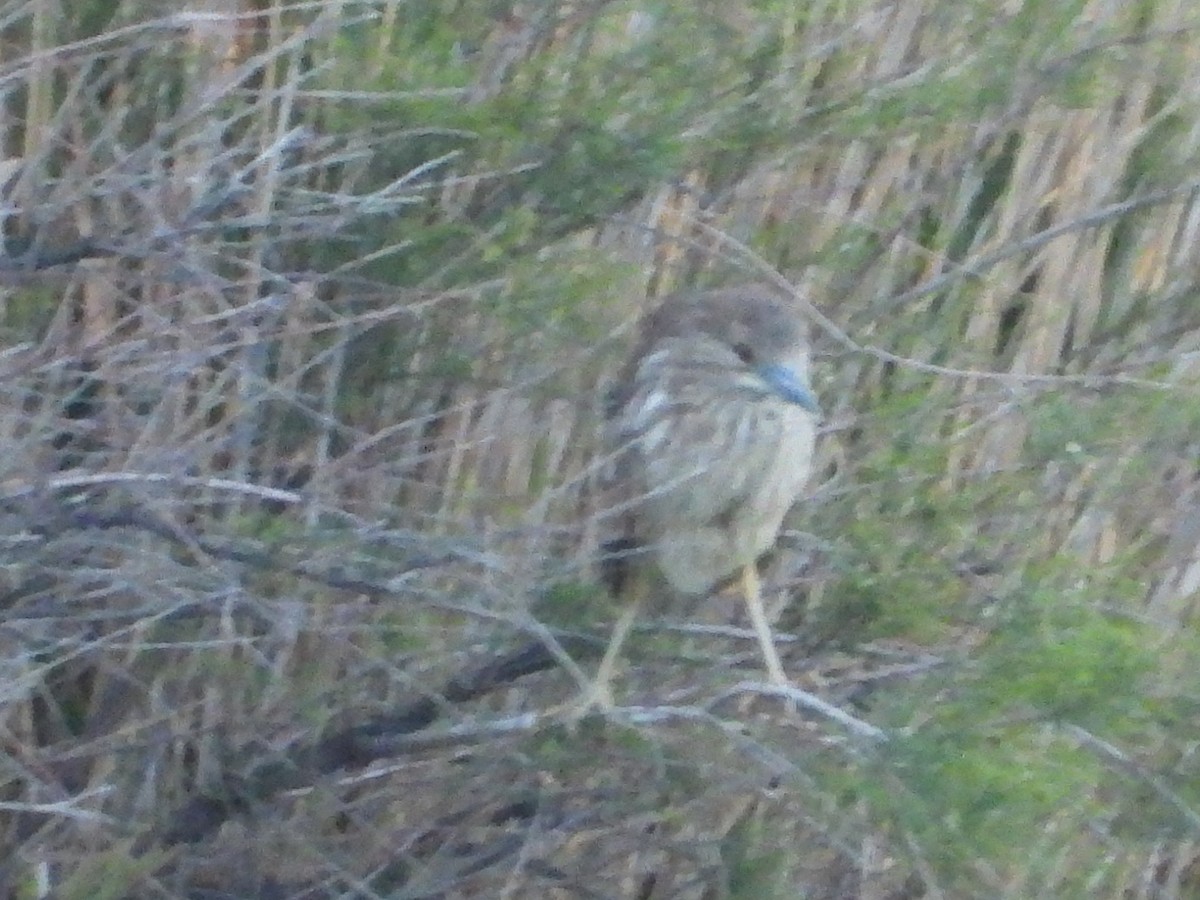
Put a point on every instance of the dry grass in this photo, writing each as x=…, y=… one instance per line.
x=300, y=504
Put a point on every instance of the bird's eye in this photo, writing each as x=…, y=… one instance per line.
x=744, y=353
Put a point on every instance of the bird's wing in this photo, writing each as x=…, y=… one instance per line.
x=695, y=439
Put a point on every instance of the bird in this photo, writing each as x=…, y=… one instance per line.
x=712, y=425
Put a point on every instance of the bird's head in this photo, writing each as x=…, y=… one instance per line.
x=747, y=332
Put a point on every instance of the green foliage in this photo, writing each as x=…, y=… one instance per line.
x=980, y=750
x=1066, y=427
x=894, y=583
x=992, y=187
x=897, y=550
x=567, y=604
x=965, y=789
x=552, y=149
x=1057, y=655
x=754, y=861
x=983, y=757
x=114, y=873
x=29, y=311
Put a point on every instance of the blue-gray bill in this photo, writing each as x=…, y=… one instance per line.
x=790, y=386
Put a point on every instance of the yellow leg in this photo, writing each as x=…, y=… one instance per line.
x=599, y=694
x=754, y=604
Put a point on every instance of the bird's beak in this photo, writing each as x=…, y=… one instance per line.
x=787, y=384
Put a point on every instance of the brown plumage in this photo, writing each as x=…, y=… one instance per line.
x=713, y=423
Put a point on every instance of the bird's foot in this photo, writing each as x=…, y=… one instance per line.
x=595, y=700
x=777, y=676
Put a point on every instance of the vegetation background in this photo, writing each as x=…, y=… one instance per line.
x=306, y=312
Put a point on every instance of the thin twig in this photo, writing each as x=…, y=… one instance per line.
x=971, y=268
x=1120, y=761
x=812, y=703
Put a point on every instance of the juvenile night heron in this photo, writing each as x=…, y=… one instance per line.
x=713, y=422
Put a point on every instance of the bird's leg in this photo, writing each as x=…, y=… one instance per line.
x=599, y=693
x=752, y=590
x=597, y=696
